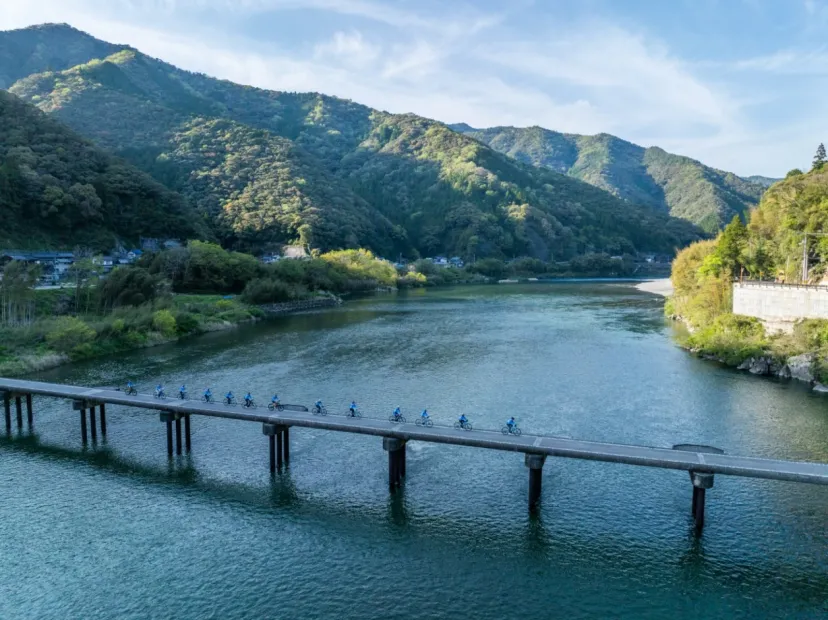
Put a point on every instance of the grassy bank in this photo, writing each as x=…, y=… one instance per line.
x=54, y=340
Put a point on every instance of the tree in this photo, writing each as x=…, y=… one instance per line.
x=820, y=157
x=732, y=244
x=17, y=284
x=793, y=173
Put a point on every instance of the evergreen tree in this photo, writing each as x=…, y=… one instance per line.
x=819, y=158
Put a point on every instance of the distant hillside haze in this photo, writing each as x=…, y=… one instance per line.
x=673, y=184
x=265, y=167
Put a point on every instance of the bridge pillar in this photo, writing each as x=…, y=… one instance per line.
x=535, y=464
x=84, y=438
x=396, y=460
x=29, y=416
x=701, y=482
x=178, y=434
x=188, y=441
x=92, y=424
x=278, y=436
x=102, y=408
x=18, y=403
x=167, y=417
x=7, y=410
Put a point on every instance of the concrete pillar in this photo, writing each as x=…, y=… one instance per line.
x=102, y=408
x=167, y=417
x=396, y=454
x=187, y=439
x=178, y=435
x=18, y=403
x=701, y=482
x=83, y=426
x=92, y=424
x=286, y=435
x=535, y=464
x=29, y=416
x=274, y=434
x=7, y=410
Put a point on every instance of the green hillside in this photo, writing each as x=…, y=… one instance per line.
x=57, y=189
x=267, y=167
x=673, y=184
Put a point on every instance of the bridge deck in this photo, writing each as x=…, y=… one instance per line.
x=797, y=471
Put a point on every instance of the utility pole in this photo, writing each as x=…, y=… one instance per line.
x=805, y=259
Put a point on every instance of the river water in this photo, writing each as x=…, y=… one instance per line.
x=118, y=531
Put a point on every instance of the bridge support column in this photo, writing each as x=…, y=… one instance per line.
x=18, y=403
x=701, y=482
x=178, y=434
x=168, y=417
x=188, y=441
x=84, y=438
x=29, y=416
x=396, y=460
x=7, y=410
x=278, y=438
x=92, y=424
x=102, y=408
x=535, y=464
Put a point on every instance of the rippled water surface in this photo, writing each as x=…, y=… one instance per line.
x=118, y=531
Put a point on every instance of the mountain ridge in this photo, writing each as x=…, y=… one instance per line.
x=395, y=183
x=679, y=185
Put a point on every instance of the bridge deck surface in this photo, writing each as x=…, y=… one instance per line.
x=796, y=471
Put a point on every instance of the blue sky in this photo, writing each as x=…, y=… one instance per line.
x=737, y=84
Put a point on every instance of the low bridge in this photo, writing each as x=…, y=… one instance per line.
x=702, y=462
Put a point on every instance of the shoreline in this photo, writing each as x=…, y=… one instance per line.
x=662, y=287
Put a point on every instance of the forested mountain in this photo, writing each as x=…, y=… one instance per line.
x=669, y=183
x=763, y=181
x=269, y=167
x=58, y=189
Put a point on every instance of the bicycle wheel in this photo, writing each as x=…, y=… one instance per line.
x=457, y=425
x=357, y=414
x=428, y=422
x=323, y=411
x=517, y=431
x=402, y=419
x=418, y=422
x=468, y=426
x=505, y=430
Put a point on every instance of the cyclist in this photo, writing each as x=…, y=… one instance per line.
x=463, y=420
x=159, y=390
x=248, y=399
x=511, y=423
x=275, y=400
x=228, y=398
x=318, y=405
x=130, y=387
x=182, y=391
x=352, y=409
x=397, y=413
x=424, y=415
x=208, y=395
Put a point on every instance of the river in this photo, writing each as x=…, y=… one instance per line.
x=120, y=532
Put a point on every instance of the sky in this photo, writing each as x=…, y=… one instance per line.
x=737, y=84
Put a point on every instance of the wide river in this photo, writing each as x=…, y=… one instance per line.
x=118, y=531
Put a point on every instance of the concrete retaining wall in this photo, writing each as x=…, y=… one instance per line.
x=779, y=306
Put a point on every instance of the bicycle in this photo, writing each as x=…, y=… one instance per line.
x=397, y=418
x=131, y=391
x=466, y=426
x=250, y=404
x=208, y=398
x=320, y=410
x=160, y=394
x=514, y=430
x=276, y=407
x=182, y=395
x=421, y=421
x=353, y=413
x=230, y=401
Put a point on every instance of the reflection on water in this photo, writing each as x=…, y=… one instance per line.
x=117, y=530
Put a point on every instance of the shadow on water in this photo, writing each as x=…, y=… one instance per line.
x=541, y=540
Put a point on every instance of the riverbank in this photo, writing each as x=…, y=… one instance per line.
x=55, y=341
x=663, y=287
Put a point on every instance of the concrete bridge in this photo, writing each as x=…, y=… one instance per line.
x=702, y=462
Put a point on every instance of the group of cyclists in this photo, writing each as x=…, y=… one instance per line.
x=396, y=416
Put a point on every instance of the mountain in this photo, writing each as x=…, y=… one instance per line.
x=59, y=190
x=267, y=167
x=763, y=181
x=668, y=183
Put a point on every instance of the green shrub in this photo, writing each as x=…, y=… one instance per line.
x=186, y=323
x=731, y=338
x=68, y=333
x=222, y=305
x=268, y=291
x=163, y=322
